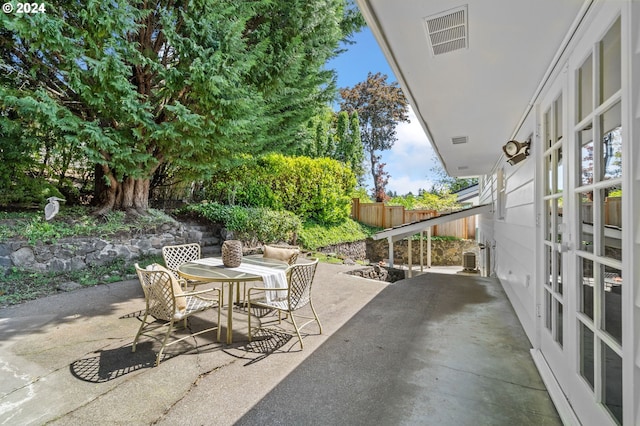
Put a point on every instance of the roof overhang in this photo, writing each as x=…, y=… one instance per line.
x=403, y=231
x=471, y=95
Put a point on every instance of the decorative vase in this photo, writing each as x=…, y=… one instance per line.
x=232, y=253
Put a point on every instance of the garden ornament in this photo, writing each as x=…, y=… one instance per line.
x=52, y=208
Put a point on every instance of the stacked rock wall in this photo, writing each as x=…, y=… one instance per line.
x=443, y=252
x=77, y=253
x=69, y=254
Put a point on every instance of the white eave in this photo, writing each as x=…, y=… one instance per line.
x=473, y=74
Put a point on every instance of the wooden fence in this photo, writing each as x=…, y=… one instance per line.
x=383, y=216
x=612, y=213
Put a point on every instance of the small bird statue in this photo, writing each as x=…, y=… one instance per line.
x=52, y=207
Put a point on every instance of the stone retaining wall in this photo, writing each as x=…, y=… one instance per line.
x=356, y=250
x=443, y=252
x=69, y=254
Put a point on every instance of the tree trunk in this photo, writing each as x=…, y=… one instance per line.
x=135, y=197
x=129, y=194
x=105, y=194
x=376, y=183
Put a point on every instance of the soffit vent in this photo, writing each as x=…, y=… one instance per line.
x=447, y=31
x=457, y=140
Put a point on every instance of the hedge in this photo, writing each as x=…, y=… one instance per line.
x=311, y=188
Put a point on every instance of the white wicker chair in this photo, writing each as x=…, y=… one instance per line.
x=167, y=304
x=175, y=256
x=299, y=279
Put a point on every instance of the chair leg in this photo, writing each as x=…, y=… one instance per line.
x=135, y=340
x=315, y=315
x=249, y=317
x=219, y=317
x=164, y=342
x=293, y=320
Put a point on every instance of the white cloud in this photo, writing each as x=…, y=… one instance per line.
x=404, y=184
x=409, y=162
x=411, y=134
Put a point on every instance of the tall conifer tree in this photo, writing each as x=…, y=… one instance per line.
x=135, y=84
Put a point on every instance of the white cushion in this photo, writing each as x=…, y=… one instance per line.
x=181, y=302
x=279, y=253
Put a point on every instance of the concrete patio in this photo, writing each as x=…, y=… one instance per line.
x=436, y=349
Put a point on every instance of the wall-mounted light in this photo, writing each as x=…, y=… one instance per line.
x=516, y=151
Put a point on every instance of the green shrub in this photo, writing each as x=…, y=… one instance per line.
x=314, y=235
x=312, y=188
x=252, y=224
x=23, y=190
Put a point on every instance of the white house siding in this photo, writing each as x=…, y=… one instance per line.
x=514, y=235
x=511, y=236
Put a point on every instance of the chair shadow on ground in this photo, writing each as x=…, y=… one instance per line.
x=265, y=342
x=267, y=339
x=109, y=364
x=105, y=365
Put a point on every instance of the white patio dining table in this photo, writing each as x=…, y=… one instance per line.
x=271, y=272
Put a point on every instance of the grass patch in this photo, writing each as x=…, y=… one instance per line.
x=18, y=285
x=72, y=222
x=333, y=259
x=314, y=235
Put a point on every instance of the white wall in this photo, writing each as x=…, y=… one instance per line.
x=513, y=236
x=514, y=230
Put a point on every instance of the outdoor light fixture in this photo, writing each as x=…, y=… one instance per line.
x=516, y=151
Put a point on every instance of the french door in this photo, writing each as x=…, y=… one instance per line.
x=555, y=233
x=598, y=192
x=580, y=299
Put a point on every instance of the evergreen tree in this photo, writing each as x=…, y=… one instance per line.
x=337, y=136
x=349, y=144
x=133, y=85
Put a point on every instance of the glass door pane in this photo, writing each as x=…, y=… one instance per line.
x=612, y=382
x=586, y=289
x=587, y=364
x=610, y=61
x=599, y=195
x=554, y=176
x=585, y=88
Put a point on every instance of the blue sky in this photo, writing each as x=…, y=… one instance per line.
x=410, y=160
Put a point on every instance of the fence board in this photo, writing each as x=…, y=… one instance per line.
x=381, y=216
x=613, y=211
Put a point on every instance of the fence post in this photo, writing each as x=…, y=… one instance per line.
x=355, y=208
x=384, y=215
x=429, y=247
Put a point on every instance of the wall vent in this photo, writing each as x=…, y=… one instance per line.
x=459, y=139
x=448, y=31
